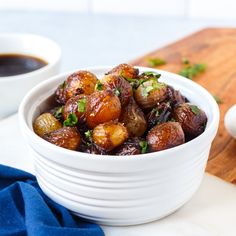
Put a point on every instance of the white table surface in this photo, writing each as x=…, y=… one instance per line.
x=98, y=40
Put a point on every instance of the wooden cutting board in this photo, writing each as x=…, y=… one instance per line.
x=215, y=47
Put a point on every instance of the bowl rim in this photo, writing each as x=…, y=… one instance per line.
x=35, y=72
x=210, y=130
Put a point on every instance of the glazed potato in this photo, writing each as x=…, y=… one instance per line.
x=66, y=137
x=125, y=70
x=134, y=120
x=149, y=93
x=109, y=135
x=120, y=86
x=81, y=82
x=192, y=119
x=76, y=105
x=46, y=123
x=102, y=106
x=164, y=136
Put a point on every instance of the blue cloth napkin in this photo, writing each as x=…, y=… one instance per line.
x=26, y=210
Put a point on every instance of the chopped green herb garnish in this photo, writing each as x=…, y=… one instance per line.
x=192, y=70
x=217, y=99
x=151, y=74
x=195, y=109
x=117, y=92
x=156, y=62
x=71, y=120
x=172, y=119
x=185, y=61
x=88, y=135
x=82, y=105
x=144, y=146
x=99, y=86
x=147, y=89
x=59, y=112
x=63, y=85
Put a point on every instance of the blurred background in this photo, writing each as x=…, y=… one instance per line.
x=105, y=32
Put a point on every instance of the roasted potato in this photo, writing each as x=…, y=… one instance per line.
x=125, y=70
x=192, y=119
x=133, y=118
x=66, y=137
x=119, y=86
x=76, y=105
x=165, y=135
x=102, y=106
x=81, y=82
x=149, y=93
x=109, y=135
x=46, y=123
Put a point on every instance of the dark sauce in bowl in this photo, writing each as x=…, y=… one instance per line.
x=16, y=64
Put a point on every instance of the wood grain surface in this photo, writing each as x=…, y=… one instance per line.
x=215, y=47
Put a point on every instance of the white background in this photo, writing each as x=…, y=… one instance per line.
x=189, y=9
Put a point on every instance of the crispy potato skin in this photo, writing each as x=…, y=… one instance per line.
x=46, y=123
x=109, y=135
x=151, y=99
x=133, y=118
x=125, y=70
x=66, y=137
x=102, y=106
x=81, y=82
x=71, y=106
x=165, y=135
x=118, y=83
x=192, y=124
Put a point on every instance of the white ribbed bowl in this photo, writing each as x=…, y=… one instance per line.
x=123, y=190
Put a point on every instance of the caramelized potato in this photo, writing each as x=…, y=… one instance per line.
x=109, y=135
x=76, y=105
x=125, y=70
x=81, y=82
x=46, y=123
x=164, y=136
x=66, y=137
x=149, y=93
x=102, y=106
x=119, y=86
x=133, y=118
x=192, y=119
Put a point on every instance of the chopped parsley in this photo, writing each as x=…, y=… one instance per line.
x=144, y=146
x=59, y=112
x=117, y=92
x=195, y=109
x=156, y=62
x=217, y=99
x=191, y=71
x=88, y=135
x=63, y=85
x=71, y=120
x=99, y=86
x=82, y=105
x=149, y=74
x=185, y=61
x=147, y=89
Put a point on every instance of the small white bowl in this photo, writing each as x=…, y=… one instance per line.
x=14, y=88
x=123, y=190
